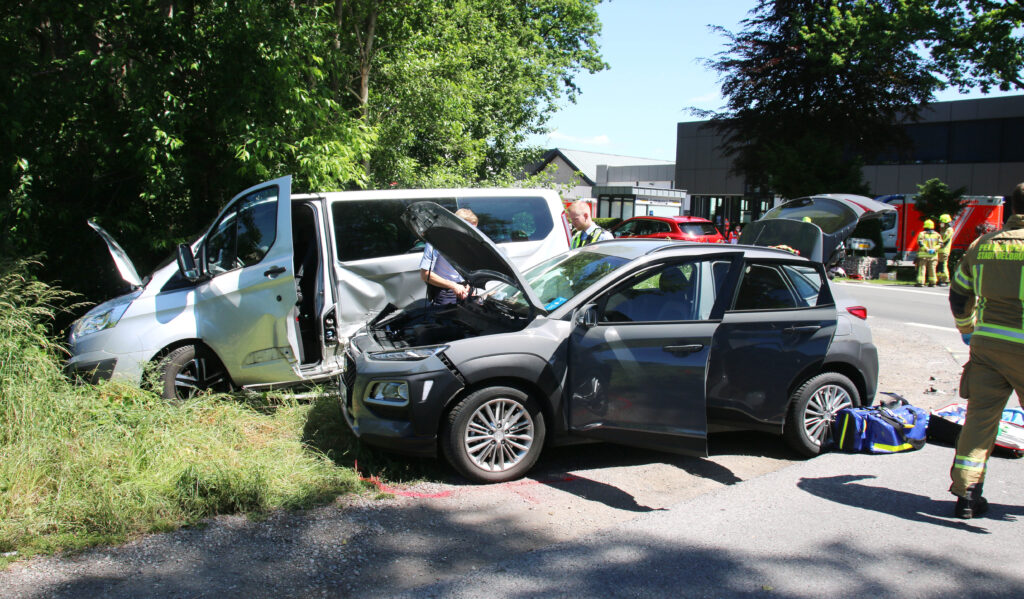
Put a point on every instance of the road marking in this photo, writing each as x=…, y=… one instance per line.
x=931, y=326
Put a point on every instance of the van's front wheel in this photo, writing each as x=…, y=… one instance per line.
x=191, y=370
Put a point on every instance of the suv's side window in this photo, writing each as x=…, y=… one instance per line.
x=764, y=287
x=672, y=292
x=244, y=233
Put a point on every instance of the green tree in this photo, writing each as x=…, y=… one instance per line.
x=828, y=83
x=454, y=87
x=935, y=198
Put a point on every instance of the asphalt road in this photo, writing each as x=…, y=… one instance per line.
x=917, y=306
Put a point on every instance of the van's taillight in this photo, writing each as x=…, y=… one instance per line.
x=859, y=311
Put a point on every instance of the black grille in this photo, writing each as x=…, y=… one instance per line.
x=348, y=377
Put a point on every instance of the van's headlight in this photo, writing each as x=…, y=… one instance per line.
x=104, y=315
x=412, y=353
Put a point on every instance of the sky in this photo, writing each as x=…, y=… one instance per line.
x=655, y=51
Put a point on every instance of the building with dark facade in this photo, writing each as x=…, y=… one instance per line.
x=976, y=144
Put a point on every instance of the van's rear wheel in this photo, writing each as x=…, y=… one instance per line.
x=191, y=370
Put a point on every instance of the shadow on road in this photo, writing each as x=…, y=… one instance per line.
x=909, y=506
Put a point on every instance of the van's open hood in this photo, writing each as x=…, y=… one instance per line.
x=121, y=259
x=833, y=217
x=469, y=251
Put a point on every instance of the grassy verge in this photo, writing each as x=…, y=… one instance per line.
x=81, y=466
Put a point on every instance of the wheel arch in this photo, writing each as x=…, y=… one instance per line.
x=844, y=368
x=167, y=349
x=528, y=373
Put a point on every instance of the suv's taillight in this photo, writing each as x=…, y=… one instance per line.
x=859, y=311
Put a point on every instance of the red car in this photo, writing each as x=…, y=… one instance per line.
x=683, y=228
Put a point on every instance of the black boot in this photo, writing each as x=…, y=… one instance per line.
x=972, y=506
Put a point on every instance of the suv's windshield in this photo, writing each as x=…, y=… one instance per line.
x=559, y=279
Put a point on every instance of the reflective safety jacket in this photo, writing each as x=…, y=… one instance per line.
x=928, y=239
x=987, y=292
x=581, y=238
x=947, y=240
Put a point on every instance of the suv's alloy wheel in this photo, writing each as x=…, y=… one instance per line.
x=494, y=435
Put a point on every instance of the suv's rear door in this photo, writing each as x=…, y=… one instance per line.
x=637, y=370
x=780, y=326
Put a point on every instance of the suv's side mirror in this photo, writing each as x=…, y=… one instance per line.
x=187, y=263
x=587, y=316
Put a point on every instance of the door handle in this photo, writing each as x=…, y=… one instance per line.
x=683, y=349
x=804, y=329
x=270, y=273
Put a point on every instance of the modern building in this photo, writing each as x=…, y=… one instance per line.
x=976, y=144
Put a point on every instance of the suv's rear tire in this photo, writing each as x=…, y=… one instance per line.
x=190, y=370
x=813, y=407
x=493, y=435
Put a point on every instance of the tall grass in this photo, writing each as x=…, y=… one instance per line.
x=81, y=465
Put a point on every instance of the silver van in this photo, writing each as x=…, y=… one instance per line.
x=271, y=292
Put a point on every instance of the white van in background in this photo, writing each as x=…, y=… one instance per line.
x=273, y=289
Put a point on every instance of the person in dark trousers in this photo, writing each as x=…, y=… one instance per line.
x=987, y=301
x=444, y=284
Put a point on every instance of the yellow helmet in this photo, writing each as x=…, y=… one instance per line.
x=945, y=218
x=928, y=224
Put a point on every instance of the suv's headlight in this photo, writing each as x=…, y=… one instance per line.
x=389, y=393
x=413, y=353
x=104, y=315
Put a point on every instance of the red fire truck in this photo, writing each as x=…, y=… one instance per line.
x=981, y=214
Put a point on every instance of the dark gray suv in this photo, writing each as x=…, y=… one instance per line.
x=648, y=343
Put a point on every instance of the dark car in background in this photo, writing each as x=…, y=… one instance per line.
x=649, y=343
x=681, y=228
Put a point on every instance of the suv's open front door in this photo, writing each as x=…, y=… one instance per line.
x=245, y=306
x=639, y=354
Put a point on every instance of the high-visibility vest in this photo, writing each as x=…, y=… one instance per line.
x=986, y=293
x=578, y=239
x=947, y=240
x=928, y=239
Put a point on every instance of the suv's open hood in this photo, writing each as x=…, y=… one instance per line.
x=833, y=218
x=469, y=251
x=121, y=259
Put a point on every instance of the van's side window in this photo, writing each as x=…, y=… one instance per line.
x=244, y=234
x=373, y=228
x=512, y=218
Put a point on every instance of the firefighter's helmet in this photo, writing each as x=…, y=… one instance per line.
x=945, y=218
x=928, y=224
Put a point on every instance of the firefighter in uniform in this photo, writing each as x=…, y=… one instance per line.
x=928, y=242
x=987, y=304
x=587, y=230
x=946, y=233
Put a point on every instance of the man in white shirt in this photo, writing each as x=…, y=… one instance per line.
x=444, y=284
x=587, y=230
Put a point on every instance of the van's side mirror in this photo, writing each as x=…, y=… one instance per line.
x=587, y=316
x=187, y=263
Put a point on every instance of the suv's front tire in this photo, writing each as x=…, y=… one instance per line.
x=493, y=435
